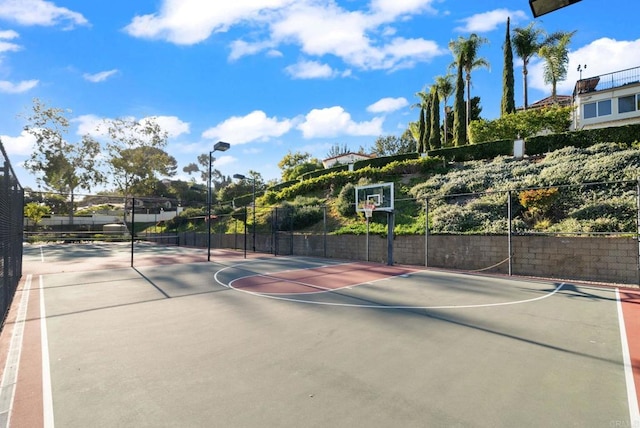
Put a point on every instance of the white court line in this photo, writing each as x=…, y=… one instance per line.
x=632, y=397
x=47, y=394
x=353, y=305
x=12, y=365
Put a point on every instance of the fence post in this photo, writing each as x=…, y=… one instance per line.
x=638, y=224
x=426, y=232
x=509, y=212
x=324, y=228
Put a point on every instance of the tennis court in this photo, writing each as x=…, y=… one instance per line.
x=281, y=341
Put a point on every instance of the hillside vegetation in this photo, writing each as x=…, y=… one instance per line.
x=569, y=190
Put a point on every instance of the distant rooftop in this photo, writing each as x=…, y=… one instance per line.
x=616, y=79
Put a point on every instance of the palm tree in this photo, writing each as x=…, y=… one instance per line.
x=465, y=52
x=526, y=43
x=445, y=90
x=555, y=53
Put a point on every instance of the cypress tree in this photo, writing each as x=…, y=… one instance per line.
x=459, y=111
x=508, y=104
x=421, y=129
x=434, y=137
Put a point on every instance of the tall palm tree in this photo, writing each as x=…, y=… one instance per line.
x=527, y=42
x=555, y=53
x=444, y=87
x=465, y=52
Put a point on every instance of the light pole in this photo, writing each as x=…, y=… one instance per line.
x=253, y=228
x=220, y=146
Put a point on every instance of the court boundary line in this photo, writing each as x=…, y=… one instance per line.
x=47, y=389
x=12, y=365
x=353, y=305
x=632, y=398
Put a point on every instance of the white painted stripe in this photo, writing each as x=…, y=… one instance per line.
x=10, y=374
x=634, y=412
x=47, y=394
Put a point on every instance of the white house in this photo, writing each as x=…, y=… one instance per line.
x=611, y=99
x=345, y=159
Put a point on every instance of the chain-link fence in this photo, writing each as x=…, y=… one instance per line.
x=584, y=231
x=11, y=229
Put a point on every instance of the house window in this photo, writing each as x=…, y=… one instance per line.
x=627, y=104
x=590, y=111
x=604, y=108
x=600, y=108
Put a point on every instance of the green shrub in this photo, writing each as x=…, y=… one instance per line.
x=346, y=201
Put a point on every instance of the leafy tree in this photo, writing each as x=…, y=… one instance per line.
x=137, y=155
x=338, y=150
x=466, y=53
x=35, y=211
x=434, y=134
x=508, y=104
x=389, y=145
x=62, y=166
x=526, y=43
x=293, y=165
x=555, y=53
x=523, y=124
x=218, y=180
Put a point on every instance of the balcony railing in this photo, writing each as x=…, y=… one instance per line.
x=616, y=79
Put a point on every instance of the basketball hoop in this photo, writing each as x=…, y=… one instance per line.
x=368, y=210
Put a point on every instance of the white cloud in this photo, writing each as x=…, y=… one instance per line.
x=96, y=126
x=99, y=77
x=394, y=8
x=363, y=38
x=619, y=54
x=8, y=46
x=489, y=21
x=310, y=70
x=89, y=124
x=21, y=145
x=255, y=126
x=388, y=105
x=172, y=125
x=335, y=121
x=17, y=88
x=39, y=12
x=187, y=22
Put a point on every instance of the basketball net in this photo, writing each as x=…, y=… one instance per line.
x=368, y=210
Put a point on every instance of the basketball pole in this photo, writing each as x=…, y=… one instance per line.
x=390, y=226
x=367, y=241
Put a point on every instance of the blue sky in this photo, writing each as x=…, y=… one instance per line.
x=271, y=76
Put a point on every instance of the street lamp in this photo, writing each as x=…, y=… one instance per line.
x=253, y=180
x=220, y=146
x=541, y=7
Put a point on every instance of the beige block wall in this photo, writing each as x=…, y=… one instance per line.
x=601, y=259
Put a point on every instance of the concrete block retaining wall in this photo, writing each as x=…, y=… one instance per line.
x=602, y=259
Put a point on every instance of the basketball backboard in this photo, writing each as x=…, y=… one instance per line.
x=380, y=195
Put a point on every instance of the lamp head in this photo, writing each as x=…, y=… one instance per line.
x=221, y=146
x=542, y=7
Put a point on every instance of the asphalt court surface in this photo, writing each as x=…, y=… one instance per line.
x=315, y=342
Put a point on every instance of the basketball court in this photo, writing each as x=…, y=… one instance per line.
x=290, y=342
